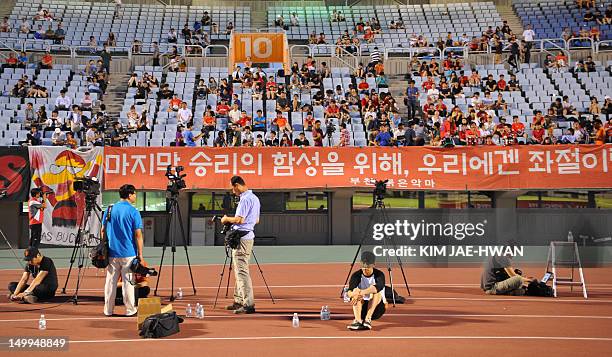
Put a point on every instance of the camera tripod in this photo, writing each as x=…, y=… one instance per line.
x=229, y=256
x=79, y=250
x=174, y=216
x=379, y=212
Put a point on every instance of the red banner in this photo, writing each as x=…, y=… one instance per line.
x=410, y=168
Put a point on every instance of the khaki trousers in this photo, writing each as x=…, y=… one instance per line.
x=119, y=267
x=243, y=292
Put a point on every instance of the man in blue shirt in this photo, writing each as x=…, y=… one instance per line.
x=383, y=138
x=244, y=221
x=124, y=233
x=189, y=138
x=259, y=122
x=412, y=99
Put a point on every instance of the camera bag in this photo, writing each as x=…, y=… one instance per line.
x=161, y=325
x=99, y=253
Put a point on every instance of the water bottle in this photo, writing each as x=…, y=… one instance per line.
x=188, y=311
x=570, y=237
x=179, y=294
x=345, y=295
x=200, y=311
x=296, y=320
x=325, y=314
x=42, y=323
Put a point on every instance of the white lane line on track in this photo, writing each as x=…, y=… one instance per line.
x=360, y=337
x=288, y=315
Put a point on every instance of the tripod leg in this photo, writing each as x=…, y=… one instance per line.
x=180, y=217
x=399, y=261
x=229, y=275
x=263, y=277
x=77, y=242
x=220, y=281
x=161, y=263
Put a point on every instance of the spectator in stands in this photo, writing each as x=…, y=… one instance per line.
x=189, y=137
x=589, y=64
x=206, y=19
x=293, y=19
x=106, y=59
x=317, y=134
x=515, y=52
x=528, y=36
x=58, y=138
x=384, y=138
x=46, y=61
x=62, y=102
x=174, y=104
x=599, y=132
x=60, y=34
x=345, y=136
x=184, y=114
x=172, y=37
x=25, y=27
x=11, y=61
x=33, y=138
x=5, y=26
x=92, y=137
x=606, y=108
x=608, y=15
x=281, y=122
x=594, y=108
x=75, y=119
x=272, y=140
x=595, y=34
x=229, y=28
x=337, y=16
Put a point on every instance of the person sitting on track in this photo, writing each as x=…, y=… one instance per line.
x=141, y=287
x=367, y=292
x=500, y=278
x=43, y=286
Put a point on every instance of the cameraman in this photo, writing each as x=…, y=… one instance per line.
x=36, y=214
x=124, y=234
x=116, y=135
x=500, y=278
x=247, y=215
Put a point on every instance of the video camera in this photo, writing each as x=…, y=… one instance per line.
x=176, y=180
x=380, y=189
x=90, y=186
x=226, y=227
x=137, y=268
x=329, y=128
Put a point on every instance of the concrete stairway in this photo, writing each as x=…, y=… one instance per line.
x=508, y=14
x=115, y=94
x=6, y=7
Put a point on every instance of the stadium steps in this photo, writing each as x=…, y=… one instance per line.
x=397, y=88
x=507, y=13
x=115, y=94
x=259, y=19
x=6, y=7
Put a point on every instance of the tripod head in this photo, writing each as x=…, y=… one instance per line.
x=380, y=190
x=176, y=181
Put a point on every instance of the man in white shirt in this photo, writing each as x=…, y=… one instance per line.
x=92, y=137
x=172, y=36
x=234, y=114
x=184, y=115
x=75, y=120
x=528, y=36
x=475, y=101
x=25, y=26
x=58, y=138
x=63, y=102
x=54, y=121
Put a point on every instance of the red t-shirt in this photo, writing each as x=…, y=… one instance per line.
x=270, y=84
x=536, y=120
x=223, y=109
x=427, y=85
x=363, y=85
x=208, y=120
x=281, y=121
x=244, y=120
x=11, y=60
x=501, y=84
x=518, y=127
x=538, y=134
x=175, y=102
x=333, y=109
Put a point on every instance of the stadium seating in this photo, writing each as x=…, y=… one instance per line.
x=548, y=18
x=433, y=21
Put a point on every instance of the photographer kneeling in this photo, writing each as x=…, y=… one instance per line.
x=43, y=286
x=367, y=292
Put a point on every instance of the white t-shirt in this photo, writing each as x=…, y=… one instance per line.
x=366, y=282
x=528, y=35
x=234, y=115
x=184, y=115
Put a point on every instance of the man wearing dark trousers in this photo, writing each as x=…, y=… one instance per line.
x=43, y=286
x=244, y=221
x=367, y=293
x=36, y=213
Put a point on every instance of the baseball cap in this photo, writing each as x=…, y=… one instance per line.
x=30, y=253
x=367, y=259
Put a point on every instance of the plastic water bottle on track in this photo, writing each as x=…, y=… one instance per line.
x=200, y=311
x=345, y=295
x=188, y=311
x=179, y=294
x=42, y=323
x=570, y=237
x=325, y=314
x=296, y=320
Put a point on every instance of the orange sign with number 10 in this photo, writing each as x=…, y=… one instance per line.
x=259, y=47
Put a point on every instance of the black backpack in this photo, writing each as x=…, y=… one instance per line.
x=99, y=253
x=161, y=325
x=389, y=296
x=538, y=288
